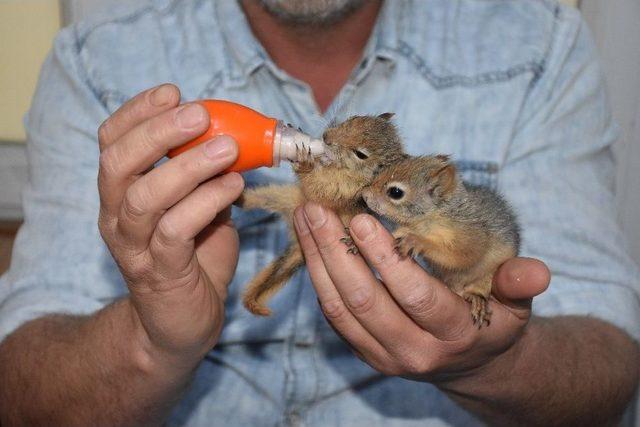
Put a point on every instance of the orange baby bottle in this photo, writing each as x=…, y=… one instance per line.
x=262, y=140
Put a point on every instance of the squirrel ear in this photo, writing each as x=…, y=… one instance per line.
x=446, y=180
x=386, y=116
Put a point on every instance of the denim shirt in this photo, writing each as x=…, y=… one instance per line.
x=511, y=89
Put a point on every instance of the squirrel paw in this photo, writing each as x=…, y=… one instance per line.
x=304, y=160
x=405, y=246
x=480, y=312
x=347, y=240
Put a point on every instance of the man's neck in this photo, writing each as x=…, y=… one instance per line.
x=323, y=57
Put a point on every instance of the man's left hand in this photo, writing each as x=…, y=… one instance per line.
x=409, y=323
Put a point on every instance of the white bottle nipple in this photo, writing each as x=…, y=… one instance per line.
x=289, y=142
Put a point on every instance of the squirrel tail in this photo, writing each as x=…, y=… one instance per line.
x=271, y=279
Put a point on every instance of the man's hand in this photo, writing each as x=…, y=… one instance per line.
x=517, y=371
x=168, y=226
x=409, y=325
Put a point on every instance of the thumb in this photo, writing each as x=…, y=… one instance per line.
x=518, y=280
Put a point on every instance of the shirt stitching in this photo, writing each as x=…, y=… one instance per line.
x=536, y=67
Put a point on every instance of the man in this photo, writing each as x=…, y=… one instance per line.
x=123, y=331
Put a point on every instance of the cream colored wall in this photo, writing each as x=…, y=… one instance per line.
x=27, y=28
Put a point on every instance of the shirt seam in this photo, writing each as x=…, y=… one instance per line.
x=438, y=81
x=84, y=72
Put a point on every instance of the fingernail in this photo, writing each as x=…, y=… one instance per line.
x=220, y=148
x=363, y=228
x=190, y=116
x=232, y=180
x=315, y=215
x=161, y=95
x=301, y=223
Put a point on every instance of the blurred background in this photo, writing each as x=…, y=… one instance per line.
x=27, y=28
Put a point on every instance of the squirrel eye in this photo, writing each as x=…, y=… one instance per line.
x=395, y=193
x=361, y=155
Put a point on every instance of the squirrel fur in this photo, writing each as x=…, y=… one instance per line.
x=465, y=232
x=356, y=150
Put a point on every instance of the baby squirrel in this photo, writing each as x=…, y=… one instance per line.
x=465, y=232
x=355, y=151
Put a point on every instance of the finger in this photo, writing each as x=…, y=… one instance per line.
x=331, y=303
x=369, y=302
x=138, y=149
x=143, y=106
x=173, y=241
x=379, y=364
x=150, y=196
x=518, y=280
x=425, y=299
x=217, y=245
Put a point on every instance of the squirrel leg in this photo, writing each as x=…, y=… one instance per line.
x=271, y=279
x=477, y=293
x=282, y=199
x=478, y=290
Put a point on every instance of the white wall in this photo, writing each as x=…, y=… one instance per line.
x=615, y=24
x=615, y=27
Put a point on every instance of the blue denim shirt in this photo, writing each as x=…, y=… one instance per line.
x=511, y=89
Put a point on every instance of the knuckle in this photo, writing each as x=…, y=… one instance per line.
x=459, y=334
x=152, y=131
x=135, y=201
x=136, y=269
x=361, y=301
x=214, y=201
x=390, y=368
x=104, y=226
x=104, y=131
x=422, y=301
x=459, y=340
x=167, y=231
x=190, y=167
x=107, y=161
x=334, y=309
x=413, y=363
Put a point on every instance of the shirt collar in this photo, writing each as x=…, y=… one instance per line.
x=385, y=37
x=245, y=54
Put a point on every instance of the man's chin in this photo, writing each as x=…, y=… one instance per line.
x=311, y=12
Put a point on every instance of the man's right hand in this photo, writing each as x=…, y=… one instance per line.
x=168, y=226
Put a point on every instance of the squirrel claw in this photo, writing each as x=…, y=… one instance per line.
x=351, y=247
x=404, y=247
x=480, y=312
x=304, y=159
